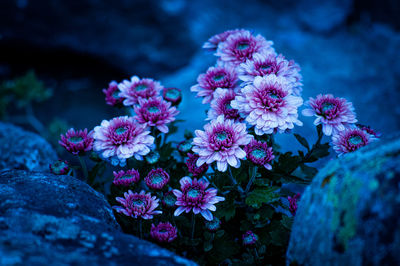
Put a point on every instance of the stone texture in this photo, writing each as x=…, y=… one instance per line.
x=349, y=215
x=20, y=149
x=59, y=220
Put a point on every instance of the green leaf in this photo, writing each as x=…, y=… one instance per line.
x=219, y=233
x=302, y=141
x=287, y=221
x=262, y=182
x=262, y=195
x=208, y=245
x=321, y=150
x=310, y=172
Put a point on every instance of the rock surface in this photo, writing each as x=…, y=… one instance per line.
x=58, y=220
x=20, y=149
x=349, y=215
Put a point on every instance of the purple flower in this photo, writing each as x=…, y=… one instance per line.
x=112, y=94
x=59, y=167
x=163, y=232
x=126, y=178
x=335, y=114
x=214, y=41
x=172, y=95
x=350, y=139
x=221, y=105
x=157, y=179
x=122, y=138
x=192, y=167
x=216, y=77
x=220, y=141
x=249, y=238
x=269, y=105
x=138, y=205
x=77, y=142
x=193, y=196
x=137, y=88
x=259, y=153
x=155, y=112
x=369, y=130
x=293, y=203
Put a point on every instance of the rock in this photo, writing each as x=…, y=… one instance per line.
x=20, y=149
x=59, y=220
x=349, y=215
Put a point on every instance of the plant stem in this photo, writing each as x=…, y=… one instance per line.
x=233, y=180
x=193, y=225
x=140, y=229
x=253, y=176
x=84, y=168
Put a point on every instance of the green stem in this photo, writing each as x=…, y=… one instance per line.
x=140, y=229
x=84, y=168
x=253, y=176
x=233, y=180
x=193, y=225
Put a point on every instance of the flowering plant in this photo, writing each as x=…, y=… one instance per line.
x=223, y=194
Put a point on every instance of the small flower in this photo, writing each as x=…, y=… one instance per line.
x=185, y=146
x=138, y=205
x=152, y=157
x=194, y=197
x=259, y=153
x=137, y=88
x=169, y=199
x=293, y=203
x=369, y=130
x=221, y=105
x=122, y=138
x=221, y=142
x=350, y=139
x=193, y=169
x=163, y=232
x=157, y=178
x=112, y=94
x=213, y=225
x=59, y=167
x=240, y=46
x=155, y=112
x=172, y=95
x=335, y=114
x=214, y=41
x=77, y=142
x=215, y=77
x=126, y=178
x=269, y=105
x=249, y=238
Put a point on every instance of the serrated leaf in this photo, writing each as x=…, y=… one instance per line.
x=262, y=195
x=302, y=141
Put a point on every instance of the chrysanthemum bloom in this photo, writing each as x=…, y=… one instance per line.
x=259, y=153
x=59, y=167
x=126, y=178
x=269, y=105
x=77, y=142
x=122, y=138
x=335, y=114
x=172, y=95
x=214, y=41
x=350, y=139
x=157, y=178
x=112, y=94
x=155, y=112
x=220, y=141
x=138, y=88
x=152, y=157
x=215, y=77
x=194, y=197
x=169, y=199
x=249, y=238
x=192, y=167
x=163, y=232
x=240, y=46
x=138, y=205
x=293, y=203
x=369, y=130
x=221, y=105
x=185, y=146
x=213, y=225
x=268, y=64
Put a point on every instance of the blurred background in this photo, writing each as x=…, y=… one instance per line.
x=349, y=48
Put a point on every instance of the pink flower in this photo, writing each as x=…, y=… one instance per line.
x=269, y=105
x=249, y=238
x=214, y=41
x=270, y=64
x=221, y=105
x=163, y=232
x=157, y=179
x=172, y=95
x=240, y=46
x=194, y=197
x=221, y=142
x=77, y=142
x=59, y=167
x=293, y=203
x=155, y=112
x=215, y=77
x=122, y=138
x=126, y=178
x=335, y=114
x=369, y=130
x=112, y=94
x=138, y=88
x=259, y=153
x=138, y=205
x=350, y=139
x=192, y=167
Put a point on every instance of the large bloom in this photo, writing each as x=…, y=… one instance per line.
x=214, y=41
x=350, y=139
x=259, y=153
x=221, y=105
x=220, y=141
x=157, y=178
x=138, y=88
x=215, y=77
x=268, y=64
x=193, y=196
x=269, y=105
x=240, y=46
x=138, y=205
x=335, y=114
x=126, y=178
x=112, y=94
x=122, y=138
x=77, y=142
x=192, y=167
x=155, y=112
x=163, y=232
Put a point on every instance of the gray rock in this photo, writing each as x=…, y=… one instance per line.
x=58, y=220
x=349, y=215
x=20, y=149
